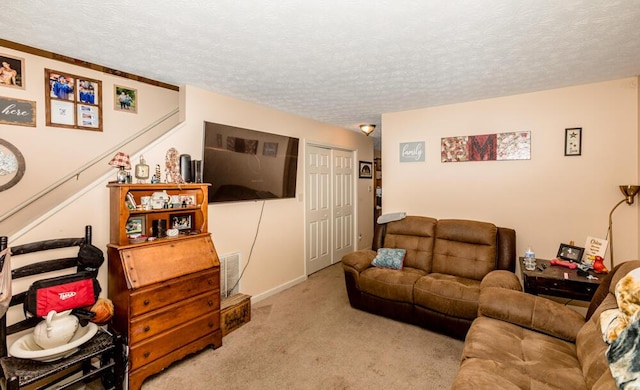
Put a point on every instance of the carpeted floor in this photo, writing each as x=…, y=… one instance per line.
x=308, y=337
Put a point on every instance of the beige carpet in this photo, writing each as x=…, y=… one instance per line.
x=308, y=337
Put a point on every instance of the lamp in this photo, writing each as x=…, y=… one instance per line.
x=367, y=129
x=121, y=161
x=629, y=191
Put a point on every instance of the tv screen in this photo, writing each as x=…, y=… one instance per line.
x=243, y=164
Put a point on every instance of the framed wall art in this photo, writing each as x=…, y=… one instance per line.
x=73, y=101
x=366, y=170
x=125, y=99
x=573, y=141
x=12, y=165
x=11, y=71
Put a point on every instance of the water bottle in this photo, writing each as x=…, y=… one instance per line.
x=529, y=260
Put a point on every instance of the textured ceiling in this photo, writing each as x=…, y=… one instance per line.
x=343, y=62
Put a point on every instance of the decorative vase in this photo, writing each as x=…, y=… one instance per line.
x=57, y=329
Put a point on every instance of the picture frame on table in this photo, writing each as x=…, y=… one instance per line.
x=573, y=141
x=135, y=225
x=570, y=253
x=182, y=222
x=365, y=170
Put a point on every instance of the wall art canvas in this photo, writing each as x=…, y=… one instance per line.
x=487, y=147
x=412, y=151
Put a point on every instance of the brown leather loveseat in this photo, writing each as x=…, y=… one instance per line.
x=523, y=341
x=446, y=263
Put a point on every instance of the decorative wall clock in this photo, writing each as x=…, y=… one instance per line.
x=12, y=165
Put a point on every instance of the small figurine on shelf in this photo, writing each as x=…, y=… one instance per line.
x=172, y=163
x=598, y=265
x=156, y=177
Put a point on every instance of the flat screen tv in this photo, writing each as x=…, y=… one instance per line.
x=243, y=164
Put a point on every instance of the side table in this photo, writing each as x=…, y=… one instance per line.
x=551, y=281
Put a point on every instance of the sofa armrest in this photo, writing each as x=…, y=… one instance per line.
x=359, y=260
x=531, y=312
x=503, y=279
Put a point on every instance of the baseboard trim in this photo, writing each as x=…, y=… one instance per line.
x=275, y=290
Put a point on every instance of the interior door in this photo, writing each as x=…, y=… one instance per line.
x=343, y=199
x=317, y=208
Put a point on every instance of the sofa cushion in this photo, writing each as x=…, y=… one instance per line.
x=465, y=248
x=395, y=285
x=389, y=258
x=448, y=294
x=501, y=355
x=530, y=311
x=415, y=234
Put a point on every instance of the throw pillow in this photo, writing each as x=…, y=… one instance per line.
x=389, y=258
x=627, y=292
x=623, y=356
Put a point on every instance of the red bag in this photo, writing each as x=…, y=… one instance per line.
x=62, y=293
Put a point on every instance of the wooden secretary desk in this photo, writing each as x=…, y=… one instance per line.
x=166, y=292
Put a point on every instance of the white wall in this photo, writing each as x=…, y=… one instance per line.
x=53, y=152
x=548, y=200
x=277, y=260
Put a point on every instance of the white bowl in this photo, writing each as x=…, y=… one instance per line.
x=26, y=348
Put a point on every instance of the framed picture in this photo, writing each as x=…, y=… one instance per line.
x=73, y=101
x=135, y=225
x=181, y=221
x=12, y=71
x=270, y=149
x=570, y=252
x=125, y=99
x=573, y=141
x=188, y=201
x=366, y=170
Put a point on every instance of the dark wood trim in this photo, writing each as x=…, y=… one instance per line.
x=84, y=64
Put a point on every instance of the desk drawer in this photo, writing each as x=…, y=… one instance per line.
x=151, y=324
x=147, y=299
x=566, y=288
x=158, y=346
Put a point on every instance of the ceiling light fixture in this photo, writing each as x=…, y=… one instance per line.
x=367, y=129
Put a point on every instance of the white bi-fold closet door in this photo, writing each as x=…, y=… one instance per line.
x=329, y=206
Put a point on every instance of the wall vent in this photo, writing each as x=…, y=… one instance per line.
x=229, y=274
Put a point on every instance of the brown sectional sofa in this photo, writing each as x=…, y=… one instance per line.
x=446, y=264
x=522, y=341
